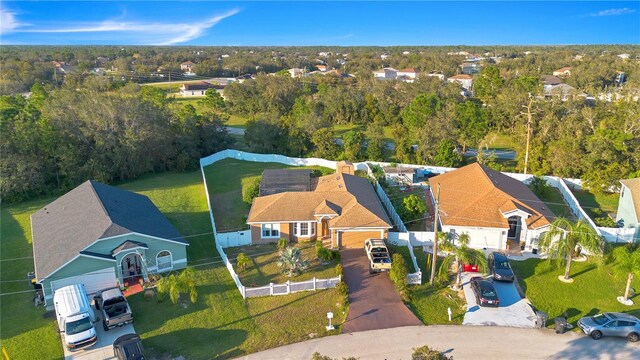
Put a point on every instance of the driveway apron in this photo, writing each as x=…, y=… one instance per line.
x=374, y=302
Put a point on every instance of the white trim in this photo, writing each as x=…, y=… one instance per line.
x=170, y=261
x=277, y=222
x=135, y=233
x=361, y=228
x=516, y=212
x=272, y=229
x=131, y=249
x=183, y=260
x=311, y=228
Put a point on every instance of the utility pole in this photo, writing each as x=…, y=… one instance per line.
x=435, y=238
x=528, y=113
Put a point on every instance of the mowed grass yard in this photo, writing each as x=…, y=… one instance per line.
x=593, y=204
x=264, y=269
x=220, y=325
x=593, y=291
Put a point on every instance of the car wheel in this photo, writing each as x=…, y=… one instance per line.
x=633, y=337
x=596, y=335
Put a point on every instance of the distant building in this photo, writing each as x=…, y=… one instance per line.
x=323, y=68
x=470, y=68
x=297, y=73
x=464, y=80
x=386, y=74
x=437, y=74
x=187, y=66
x=199, y=89
x=407, y=75
x=624, y=56
x=384, y=56
x=565, y=71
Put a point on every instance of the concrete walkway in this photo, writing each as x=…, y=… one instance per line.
x=461, y=342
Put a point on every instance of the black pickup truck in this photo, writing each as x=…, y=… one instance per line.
x=114, y=308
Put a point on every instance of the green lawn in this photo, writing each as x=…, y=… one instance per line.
x=430, y=303
x=224, y=179
x=237, y=121
x=596, y=205
x=264, y=269
x=594, y=289
x=397, y=197
x=220, y=325
x=499, y=141
x=555, y=202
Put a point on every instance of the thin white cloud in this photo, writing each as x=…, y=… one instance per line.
x=614, y=12
x=8, y=22
x=144, y=32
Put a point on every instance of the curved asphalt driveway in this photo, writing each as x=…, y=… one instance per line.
x=374, y=302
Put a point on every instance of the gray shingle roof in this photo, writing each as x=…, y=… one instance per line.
x=87, y=213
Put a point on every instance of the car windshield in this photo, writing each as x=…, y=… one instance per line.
x=488, y=293
x=600, y=319
x=384, y=260
x=78, y=326
x=378, y=249
x=502, y=265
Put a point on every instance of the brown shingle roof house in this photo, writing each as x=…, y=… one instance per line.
x=496, y=210
x=342, y=207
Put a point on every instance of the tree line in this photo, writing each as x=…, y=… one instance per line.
x=55, y=140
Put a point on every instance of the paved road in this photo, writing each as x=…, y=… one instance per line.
x=461, y=342
x=374, y=302
x=513, y=311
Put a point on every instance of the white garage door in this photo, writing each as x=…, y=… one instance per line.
x=93, y=281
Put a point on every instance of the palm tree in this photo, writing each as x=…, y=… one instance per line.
x=565, y=239
x=185, y=283
x=461, y=254
x=291, y=261
x=629, y=260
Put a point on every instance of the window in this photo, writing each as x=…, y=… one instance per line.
x=164, y=261
x=304, y=229
x=270, y=231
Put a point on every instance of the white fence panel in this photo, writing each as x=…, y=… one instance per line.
x=616, y=235
x=414, y=278
x=235, y=238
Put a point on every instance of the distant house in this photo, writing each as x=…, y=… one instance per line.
x=400, y=175
x=199, y=89
x=464, y=80
x=341, y=208
x=102, y=236
x=562, y=90
x=407, y=75
x=323, y=68
x=624, y=56
x=406, y=52
x=497, y=211
x=101, y=61
x=470, y=68
x=187, y=66
x=437, y=74
x=550, y=80
x=296, y=72
x=462, y=53
x=384, y=56
x=386, y=74
x=628, y=215
x=565, y=71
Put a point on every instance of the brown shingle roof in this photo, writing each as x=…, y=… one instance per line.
x=349, y=196
x=475, y=195
x=461, y=77
x=634, y=188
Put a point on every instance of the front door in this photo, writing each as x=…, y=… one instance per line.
x=131, y=266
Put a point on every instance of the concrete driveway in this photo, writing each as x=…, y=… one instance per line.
x=374, y=302
x=103, y=349
x=513, y=311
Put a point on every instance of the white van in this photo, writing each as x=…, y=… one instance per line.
x=75, y=316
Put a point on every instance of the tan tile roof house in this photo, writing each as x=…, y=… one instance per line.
x=341, y=207
x=491, y=206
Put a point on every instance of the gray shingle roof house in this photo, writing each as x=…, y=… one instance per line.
x=102, y=236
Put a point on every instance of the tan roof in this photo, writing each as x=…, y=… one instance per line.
x=475, y=195
x=461, y=77
x=350, y=197
x=634, y=188
x=408, y=70
x=568, y=68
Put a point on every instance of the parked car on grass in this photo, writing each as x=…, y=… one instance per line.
x=611, y=324
x=484, y=291
x=114, y=307
x=128, y=347
x=499, y=267
x=378, y=254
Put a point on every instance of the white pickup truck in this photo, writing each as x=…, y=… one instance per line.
x=378, y=254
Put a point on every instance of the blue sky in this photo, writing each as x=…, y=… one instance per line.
x=318, y=23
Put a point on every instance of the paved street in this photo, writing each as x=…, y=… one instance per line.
x=374, y=302
x=461, y=342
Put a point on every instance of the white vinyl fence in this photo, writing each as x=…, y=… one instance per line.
x=618, y=235
x=239, y=238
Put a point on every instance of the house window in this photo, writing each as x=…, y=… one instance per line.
x=164, y=261
x=304, y=229
x=270, y=231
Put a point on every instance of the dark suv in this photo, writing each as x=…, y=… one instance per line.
x=500, y=268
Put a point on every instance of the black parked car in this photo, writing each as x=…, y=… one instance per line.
x=128, y=347
x=499, y=267
x=485, y=292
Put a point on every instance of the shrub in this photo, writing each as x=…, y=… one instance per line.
x=342, y=289
x=282, y=243
x=426, y=353
x=319, y=246
x=242, y=261
x=540, y=187
x=325, y=254
x=291, y=261
x=250, y=188
x=339, y=270
x=398, y=275
x=415, y=205
x=336, y=255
